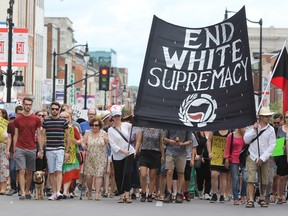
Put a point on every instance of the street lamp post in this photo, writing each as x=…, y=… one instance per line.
x=86, y=60
x=260, y=22
x=54, y=65
x=9, y=73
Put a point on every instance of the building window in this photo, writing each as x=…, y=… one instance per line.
x=40, y=4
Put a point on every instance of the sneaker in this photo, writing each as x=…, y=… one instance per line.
x=143, y=197
x=228, y=198
x=133, y=196
x=222, y=200
x=52, y=197
x=168, y=198
x=48, y=190
x=179, y=198
x=187, y=196
x=59, y=196
x=207, y=196
x=149, y=198
x=11, y=192
x=213, y=198
x=200, y=195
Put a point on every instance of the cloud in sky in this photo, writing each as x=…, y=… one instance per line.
x=124, y=25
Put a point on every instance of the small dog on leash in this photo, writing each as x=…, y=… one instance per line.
x=39, y=180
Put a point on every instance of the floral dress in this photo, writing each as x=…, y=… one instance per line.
x=96, y=155
x=4, y=163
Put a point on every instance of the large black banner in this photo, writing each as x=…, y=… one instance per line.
x=197, y=78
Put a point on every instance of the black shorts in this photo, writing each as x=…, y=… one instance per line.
x=150, y=159
x=282, y=166
x=220, y=169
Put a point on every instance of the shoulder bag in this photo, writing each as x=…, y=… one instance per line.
x=244, y=152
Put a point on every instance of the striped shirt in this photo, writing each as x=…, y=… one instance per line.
x=55, y=132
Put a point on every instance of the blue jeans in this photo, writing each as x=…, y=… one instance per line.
x=235, y=180
x=12, y=170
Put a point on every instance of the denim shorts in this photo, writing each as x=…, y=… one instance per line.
x=55, y=160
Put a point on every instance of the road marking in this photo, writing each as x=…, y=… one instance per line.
x=159, y=204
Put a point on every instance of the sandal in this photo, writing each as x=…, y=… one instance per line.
x=161, y=198
x=279, y=201
x=262, y=203
x=250, y=204
x=272, y=199
x=121, y=200
x=128, y=200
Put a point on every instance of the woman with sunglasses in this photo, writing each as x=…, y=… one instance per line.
x=122, y=153
x=95, y=142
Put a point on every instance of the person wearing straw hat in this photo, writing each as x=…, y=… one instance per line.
x=262, y=140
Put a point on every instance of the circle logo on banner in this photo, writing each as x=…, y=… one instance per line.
x=197, y=109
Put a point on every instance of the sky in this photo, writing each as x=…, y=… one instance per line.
x=124, y=25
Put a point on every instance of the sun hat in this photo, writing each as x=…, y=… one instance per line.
x=104, y=115
x=265, y=111
x=116, y=110
x=126, y=113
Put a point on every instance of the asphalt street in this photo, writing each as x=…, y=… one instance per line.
x=12, y=206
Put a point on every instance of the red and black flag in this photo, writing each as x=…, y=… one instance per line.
x=280, y=76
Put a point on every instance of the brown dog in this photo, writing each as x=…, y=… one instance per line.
x=39, y=180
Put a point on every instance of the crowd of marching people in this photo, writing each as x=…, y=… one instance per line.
x=106, y=156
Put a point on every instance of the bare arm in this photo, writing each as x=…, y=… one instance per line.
x=209, y=143
x=40, y=142
x=138, y=143
x=9, y=140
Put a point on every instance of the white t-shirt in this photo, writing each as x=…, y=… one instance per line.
x=117, y=142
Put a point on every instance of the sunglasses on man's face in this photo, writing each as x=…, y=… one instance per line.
x=54, y=109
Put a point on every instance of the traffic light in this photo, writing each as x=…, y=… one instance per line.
x=104, y=78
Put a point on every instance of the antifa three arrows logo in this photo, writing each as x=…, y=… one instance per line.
x=198, y=109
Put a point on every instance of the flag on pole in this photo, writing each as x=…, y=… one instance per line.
x=197, y=78
x=280, y=76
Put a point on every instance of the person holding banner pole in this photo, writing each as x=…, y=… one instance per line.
x=122, y=153
x=262, y=140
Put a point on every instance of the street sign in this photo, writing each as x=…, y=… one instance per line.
x=72, y=89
